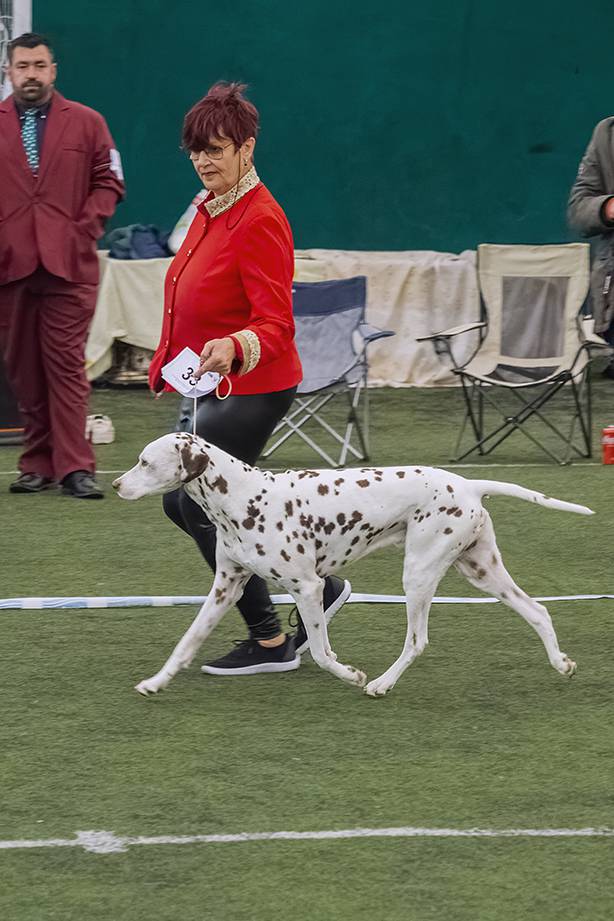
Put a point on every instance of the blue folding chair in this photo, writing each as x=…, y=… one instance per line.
x=332, y=340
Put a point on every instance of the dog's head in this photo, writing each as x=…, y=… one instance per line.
x=164, y=465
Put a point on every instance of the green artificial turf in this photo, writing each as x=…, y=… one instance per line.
x=479, y=732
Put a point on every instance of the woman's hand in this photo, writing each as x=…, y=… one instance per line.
x=217, y=355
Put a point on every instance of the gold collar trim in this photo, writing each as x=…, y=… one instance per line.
x=222, y=203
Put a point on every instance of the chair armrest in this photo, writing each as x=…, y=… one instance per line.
x=453, y=331
x=442, y=345
x=591, y=339
x=371, y=333
x=596, y=342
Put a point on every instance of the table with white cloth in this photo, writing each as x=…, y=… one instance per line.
x=128, y=309
x=414, y=293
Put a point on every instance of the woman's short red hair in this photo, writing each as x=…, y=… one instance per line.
x=223, y=111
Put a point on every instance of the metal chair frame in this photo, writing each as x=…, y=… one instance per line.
x=478, y=392
x=308, y=406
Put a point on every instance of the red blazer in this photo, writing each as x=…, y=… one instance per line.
x=233, y=273
x=55, y=218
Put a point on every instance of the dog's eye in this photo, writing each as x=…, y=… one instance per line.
x=144, y=463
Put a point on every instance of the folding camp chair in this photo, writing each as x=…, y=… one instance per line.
x=332, y=340
x=533, y=340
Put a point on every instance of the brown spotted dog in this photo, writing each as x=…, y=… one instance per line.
x=297, y=527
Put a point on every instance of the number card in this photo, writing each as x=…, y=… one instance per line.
x=179, y=373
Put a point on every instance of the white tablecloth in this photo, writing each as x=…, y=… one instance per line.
x=413, y=293
x=129, y=308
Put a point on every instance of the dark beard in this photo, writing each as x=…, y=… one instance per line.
x=32, y=94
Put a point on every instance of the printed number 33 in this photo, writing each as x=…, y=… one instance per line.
x=188, y=377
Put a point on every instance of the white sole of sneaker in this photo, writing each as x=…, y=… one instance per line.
x=330, y=612
x=263, y=668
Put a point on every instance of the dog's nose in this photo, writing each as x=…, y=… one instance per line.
x=116, y=483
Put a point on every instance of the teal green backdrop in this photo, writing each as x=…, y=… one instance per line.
x=399, y=125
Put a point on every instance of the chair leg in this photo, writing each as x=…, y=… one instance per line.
x=511, y=423
x=309, y=409
x=352, y=421
x=480, y=415
x=533, y=406
x=473, y=397
x=589, y=410
x=516, y=423
x=366, y=419
x=461, y=432
x=583, y=415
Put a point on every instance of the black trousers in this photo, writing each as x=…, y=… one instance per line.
x=241, y=426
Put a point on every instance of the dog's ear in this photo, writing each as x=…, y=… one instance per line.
x=194, y=462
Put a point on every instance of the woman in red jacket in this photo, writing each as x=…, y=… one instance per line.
x=228, y=296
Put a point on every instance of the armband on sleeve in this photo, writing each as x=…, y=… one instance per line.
x=250, y=347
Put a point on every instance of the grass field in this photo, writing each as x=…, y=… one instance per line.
x=480, y=731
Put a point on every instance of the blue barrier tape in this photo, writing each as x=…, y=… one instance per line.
x=167, y=601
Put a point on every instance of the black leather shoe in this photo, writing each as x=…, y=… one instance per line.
x=31, y=482
x=81, y=485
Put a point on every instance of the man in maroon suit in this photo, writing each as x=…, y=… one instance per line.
x=60, y=179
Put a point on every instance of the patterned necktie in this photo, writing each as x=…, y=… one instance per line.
x=30, y=138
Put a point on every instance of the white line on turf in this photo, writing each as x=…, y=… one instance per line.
x=544, y=464
x=106, y=842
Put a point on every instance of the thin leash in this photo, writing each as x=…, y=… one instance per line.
x=217, y=394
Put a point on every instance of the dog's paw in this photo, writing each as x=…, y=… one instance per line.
x=569, y=667
x=377, y=688
x=356, y=677
x=149, y=687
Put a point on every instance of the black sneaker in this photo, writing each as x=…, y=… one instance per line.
x=250, y=658
x=336, y=593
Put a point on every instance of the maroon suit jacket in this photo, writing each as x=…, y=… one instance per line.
x=55, y=218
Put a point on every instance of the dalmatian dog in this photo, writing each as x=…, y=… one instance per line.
x=294, y=528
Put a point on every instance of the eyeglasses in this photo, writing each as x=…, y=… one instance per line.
x=211, y=152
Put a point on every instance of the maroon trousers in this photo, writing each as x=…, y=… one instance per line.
x=44, y=321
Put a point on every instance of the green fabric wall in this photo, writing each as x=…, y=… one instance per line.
x=397, y=125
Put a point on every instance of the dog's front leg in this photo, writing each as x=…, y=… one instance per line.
x=226, y=589
x=309, y=602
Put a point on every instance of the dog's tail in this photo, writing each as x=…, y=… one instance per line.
x=495, y=488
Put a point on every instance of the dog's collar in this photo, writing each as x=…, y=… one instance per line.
x=222, y=203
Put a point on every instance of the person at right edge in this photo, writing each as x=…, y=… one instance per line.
x=228, y=296
x=591, y=211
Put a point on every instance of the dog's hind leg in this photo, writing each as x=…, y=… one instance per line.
x=308, y=599
x=227, y=588
x=421, y=577
x=482, y=566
